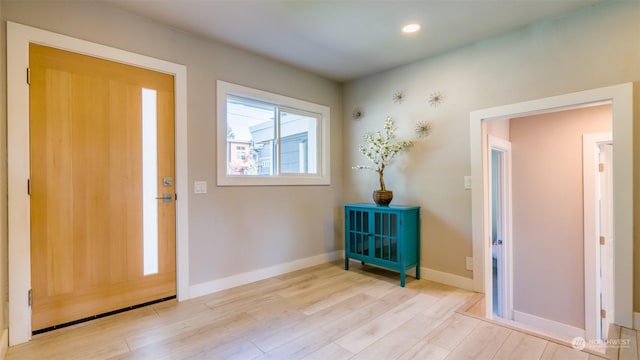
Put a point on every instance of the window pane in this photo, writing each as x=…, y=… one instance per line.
x=298, y=143
x=270, y=139
x=149, y=183
x=250, y=137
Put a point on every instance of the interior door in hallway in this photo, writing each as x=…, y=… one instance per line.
x=101, y=186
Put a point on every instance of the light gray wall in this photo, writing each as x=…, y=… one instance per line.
x=594, y=47
x=548, y=211
x=232, y=230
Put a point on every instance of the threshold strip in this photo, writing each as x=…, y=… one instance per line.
x=93, y=317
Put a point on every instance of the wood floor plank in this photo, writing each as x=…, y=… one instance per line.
x=338, y=295
x=453, y=331
x=323, y=335
x=360, y=338
x=191, y=334
x=323, y=312
x=596, y=357
x=331, y=351
x=521, y=346
x=448, y=303
x=182, y=329
x=299, y=347
x=424, y=350
x=412, y=331
x=274, y=339
x=554, y=351
x=63, y=343
x=628, y=344
x=482, y=343
x=234, y=350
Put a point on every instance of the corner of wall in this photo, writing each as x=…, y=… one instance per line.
x=448, y=279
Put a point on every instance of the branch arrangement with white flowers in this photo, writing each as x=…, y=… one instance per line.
x=381, y=148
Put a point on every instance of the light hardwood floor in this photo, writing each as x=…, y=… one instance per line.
x=321, y=312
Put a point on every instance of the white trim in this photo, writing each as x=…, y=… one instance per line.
x=622, y=98
x=232, y=281
x=548, y=327
x=447, y=278
x=636, y=322
x=591, y=233
x=18, y=39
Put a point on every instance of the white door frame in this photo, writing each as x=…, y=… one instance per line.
x=621, y=96
x=505, y=250
x=592, y=264
x=19, y=252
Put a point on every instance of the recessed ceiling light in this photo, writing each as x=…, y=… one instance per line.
x=411, y=28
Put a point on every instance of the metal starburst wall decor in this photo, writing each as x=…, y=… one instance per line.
x=436, y=98
x=423, y=129
x=398, y=96
x=357, y=113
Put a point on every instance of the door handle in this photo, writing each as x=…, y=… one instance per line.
x=165, y=197
x=499, y=242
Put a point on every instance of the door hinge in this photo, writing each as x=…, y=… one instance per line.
x=30, y=297
x=601, y=167
x=603, y=313
x=28, y=186
x=28, y=76
x=601, y=240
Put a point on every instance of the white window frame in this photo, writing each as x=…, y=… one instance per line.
x=321, y=177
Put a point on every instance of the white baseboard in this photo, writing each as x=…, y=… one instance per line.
x=636, y=320
x=447, y=278
x=4, y=343
x=260, y=274
x=550, y=327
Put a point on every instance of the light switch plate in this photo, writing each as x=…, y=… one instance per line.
x=199, y=187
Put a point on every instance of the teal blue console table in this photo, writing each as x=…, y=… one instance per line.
x=386, y=236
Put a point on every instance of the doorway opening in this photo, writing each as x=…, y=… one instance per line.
x=547, y=224
x=621, y=114
x=501, y=255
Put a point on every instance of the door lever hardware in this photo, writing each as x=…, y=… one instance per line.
x=165, y=198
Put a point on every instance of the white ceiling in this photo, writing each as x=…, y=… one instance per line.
x=345, y=40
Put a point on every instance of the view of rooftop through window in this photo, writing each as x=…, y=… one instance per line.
x=266, y=140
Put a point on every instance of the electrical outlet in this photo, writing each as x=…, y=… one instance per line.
x=469, y=264
x=467, y=182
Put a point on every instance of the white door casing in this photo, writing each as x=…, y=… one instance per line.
x=621, y=96
x=592, y=264
x=606, y=232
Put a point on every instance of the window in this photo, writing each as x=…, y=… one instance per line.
x=269, y=139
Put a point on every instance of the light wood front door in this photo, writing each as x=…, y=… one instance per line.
x=100, y=240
